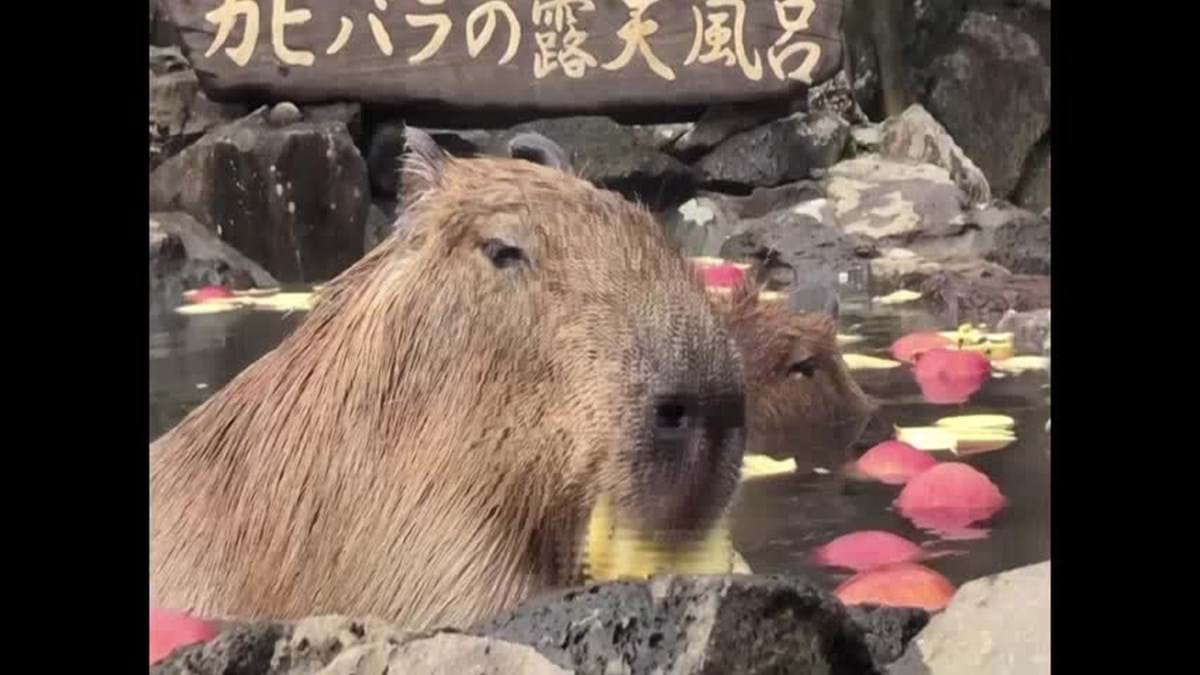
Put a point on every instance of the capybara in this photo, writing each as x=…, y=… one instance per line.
x=427, y=445
x=802, y=401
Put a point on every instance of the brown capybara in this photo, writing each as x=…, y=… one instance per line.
x=802, y=401
x=426, y=446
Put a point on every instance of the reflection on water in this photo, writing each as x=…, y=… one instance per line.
x=777, y=522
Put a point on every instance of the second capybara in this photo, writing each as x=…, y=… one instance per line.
x=427, y=445
x=802, y=401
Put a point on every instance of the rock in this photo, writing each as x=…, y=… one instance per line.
x=888, y=630
x=384, y=151
x=162, y=33
x=890, y=200
x=612, y=157
x=349, y=114
x=241, y=650
x=661, y=136
x=185, y=255
x=979, y=293
x=796, y=251
x=314, y=643
x=1033, y=192
x=293, y=199
x=836, y=96
x=180, y=113
x=1031, y=330
x=991, y=91
x=701, y=225
x=866, y=138
x=283, y=114
x=719, y=122
x=999, y=625
x=444, y=654
x=337, y=645
x=726, y=625
x=778, y=152
x=382, y=219
x=1013, y=237
x=916, y=136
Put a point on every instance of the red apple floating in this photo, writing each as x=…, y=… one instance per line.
x=866, y=550
x=948, y=498
x=892, y=463
x=208, y=293
x=949, y=375
x=171, y=630
x=899, y=585
x=907, y=347
x=723, y=275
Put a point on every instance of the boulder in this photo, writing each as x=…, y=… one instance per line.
x=998, y=625
x=778, y=152
x=382, y=219
x=293, y=198
x=180, y=113
x=611, y=156
x=386, y=147
x=1033, y=192
x=336, y=645
x=348, y=113
x=991, y=91
x=1031, y=330
x=719, y=122
x=727, y=625
x=893, y=201
x=185, y=255
x=1013, y=237
x=978, y=292
x=701, y=225
x=915, y=136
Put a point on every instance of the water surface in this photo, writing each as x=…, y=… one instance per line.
x=778, y=521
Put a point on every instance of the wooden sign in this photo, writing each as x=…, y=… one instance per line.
x=569, y=55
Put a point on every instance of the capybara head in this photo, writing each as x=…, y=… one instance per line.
x=802, y=401
x=427, y=445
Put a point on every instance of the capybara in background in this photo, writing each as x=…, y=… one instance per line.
x=802, y=401
x=427, y=445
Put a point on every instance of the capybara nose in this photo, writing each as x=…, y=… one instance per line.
x=684, y=422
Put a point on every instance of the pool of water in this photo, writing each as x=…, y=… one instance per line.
x=778, y=521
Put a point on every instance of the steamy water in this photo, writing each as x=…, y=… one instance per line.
x=779, y=520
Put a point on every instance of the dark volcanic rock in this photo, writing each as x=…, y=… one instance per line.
x=1031, y=330
x=719, y=122
x=382, y=221
x=992, y=93
x=180, y=113
x=242, y=650
x=778, y=152
x=386, y=148
x=796, y=251
x=895, y=202
x=294, y=199
x=701, y=225
x=712, y=625
x=888, y=630
x=349, y=114
x=184, y=255
x=1033, y=192
x=981, y=294
x=613, y=157
x=1015, y=238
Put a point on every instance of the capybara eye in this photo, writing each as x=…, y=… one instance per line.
x=670, y=415
x=502, y=255
x=804, y=368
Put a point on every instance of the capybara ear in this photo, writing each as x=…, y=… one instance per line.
x=536, y=148
x=421, y=170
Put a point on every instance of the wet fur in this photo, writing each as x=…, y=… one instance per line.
x=813, y=419
x=427, y=445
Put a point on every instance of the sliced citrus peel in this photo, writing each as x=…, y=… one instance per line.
x=761, y=466
x=898, y=297
x=865, y=362
x=614, y=551
x=959, y=440
x=283, y=302
x=1020, y=364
